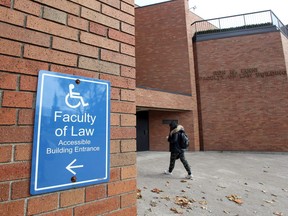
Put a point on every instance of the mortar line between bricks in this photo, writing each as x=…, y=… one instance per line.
x=78, y=60
x=17, y=117
x=25, y=21
x=89, y=26
x=25, y=206
x=1, y=98
x=99, y=54
x=18, y=83
x=80, y=12
x=12, y=4
x=13, y=155
x=22, y=51
x=59, y=201
x=34, y=100
x=66, y=21
x=41, y=12
x=51, y=42
x=79, y=34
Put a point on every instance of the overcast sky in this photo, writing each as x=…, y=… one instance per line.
x=208, y=9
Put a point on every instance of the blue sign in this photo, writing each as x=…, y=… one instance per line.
x=71, y=145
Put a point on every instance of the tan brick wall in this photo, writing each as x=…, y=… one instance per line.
x=81, y=37
x=244, y=93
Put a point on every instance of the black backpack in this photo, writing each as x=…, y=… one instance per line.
x=183, y=140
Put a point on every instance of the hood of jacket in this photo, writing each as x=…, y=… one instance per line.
x=177, y=129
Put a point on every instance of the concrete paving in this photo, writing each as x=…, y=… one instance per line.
x=228, y=183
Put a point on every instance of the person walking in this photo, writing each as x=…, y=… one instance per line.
x=176, y=151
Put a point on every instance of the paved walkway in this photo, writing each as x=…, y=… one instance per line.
x=242, y=184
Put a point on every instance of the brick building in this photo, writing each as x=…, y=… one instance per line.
x=165, y=70
x=231, y=84
x=96, y=39
x=90, y=38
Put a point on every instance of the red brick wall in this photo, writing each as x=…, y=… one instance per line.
x=158, y=131
x=161, y=47
x=88, y=38
x=165, y=59
x=244, y=93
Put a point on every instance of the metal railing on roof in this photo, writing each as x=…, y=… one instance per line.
x=241, y=21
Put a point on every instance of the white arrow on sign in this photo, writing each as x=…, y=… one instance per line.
x=70, y=167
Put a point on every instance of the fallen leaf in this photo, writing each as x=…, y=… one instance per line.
x=139, y=196
x=176, y=211
x=166, y=198
x=203, y=202
x=235, y=198
x=268, y=201
x=156, y=190
x=183, y=181
x=238, y=201
x=182, y=201
x=153, y=203
x=192, y=200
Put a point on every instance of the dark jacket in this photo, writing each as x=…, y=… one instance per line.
x=173, y=139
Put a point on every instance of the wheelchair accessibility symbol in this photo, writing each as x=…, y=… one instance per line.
x=74, y=99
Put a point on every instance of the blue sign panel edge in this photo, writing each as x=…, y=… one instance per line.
x=34, y=190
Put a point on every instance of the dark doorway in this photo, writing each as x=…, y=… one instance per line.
x=142, y=126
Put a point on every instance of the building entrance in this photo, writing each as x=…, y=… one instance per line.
x=142, y=125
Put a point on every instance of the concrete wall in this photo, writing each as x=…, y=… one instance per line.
x=89, y=38
x=163, y=100
x=243, y=93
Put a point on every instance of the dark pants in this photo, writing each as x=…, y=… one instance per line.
x=174, y=157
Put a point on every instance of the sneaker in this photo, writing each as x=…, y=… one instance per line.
x=167, y=172
x=189, y=176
